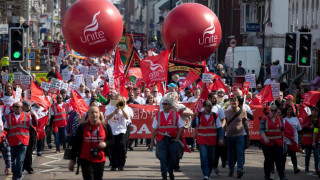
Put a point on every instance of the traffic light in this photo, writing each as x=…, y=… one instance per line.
x=305, y=50
x=16, y=49
x=290, y=48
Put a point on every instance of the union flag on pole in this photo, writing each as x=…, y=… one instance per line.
x=38, y=97
x=203, y=97
x=263, y=97
x=190, y=78
x=311, y=98
x=77, y=103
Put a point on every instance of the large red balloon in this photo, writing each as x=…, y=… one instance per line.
x=195, y=28
x=92, y=27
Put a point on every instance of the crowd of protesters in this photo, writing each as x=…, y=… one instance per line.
x=221, y=127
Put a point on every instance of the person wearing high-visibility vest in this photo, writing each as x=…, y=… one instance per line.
x=271, y=130
x=17, y=127
x=167, y=128
x=5, y=62
x=207, y=130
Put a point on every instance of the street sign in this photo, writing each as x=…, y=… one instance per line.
x=233, y=43
x=253, y=27
x=3, y=28
x=32, y=55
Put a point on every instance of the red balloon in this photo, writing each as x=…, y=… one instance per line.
x=92, y=27
x=195, y=28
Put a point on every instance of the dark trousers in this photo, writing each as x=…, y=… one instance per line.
x=118, y=152
x=27, y=165
x=293, y=156
x=91, y=170
x=220, y=151
x=48, y=130
x=128, y=137
x=273, y=154
x=40, y=145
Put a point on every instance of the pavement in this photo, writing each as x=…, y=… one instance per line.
x=142, y=164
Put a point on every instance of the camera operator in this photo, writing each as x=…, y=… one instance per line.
x=91, y=140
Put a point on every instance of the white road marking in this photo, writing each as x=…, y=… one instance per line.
x=48, y=164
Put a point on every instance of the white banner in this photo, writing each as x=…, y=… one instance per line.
x=25, y=81
x=252, y=79
x=88, y=80
x=18, y=94
x=274, y=71
x=94, y=71
x=206, y=77
x=275, y=87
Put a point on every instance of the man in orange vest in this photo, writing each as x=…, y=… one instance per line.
x=167, y=129
x=17, y=126
x=59, y=117
x=207, y=130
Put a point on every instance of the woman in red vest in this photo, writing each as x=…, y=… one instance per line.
x=271, y=130
x=91, y=140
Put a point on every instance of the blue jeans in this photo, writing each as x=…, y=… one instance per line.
x=60, y=137
x=235, y=144
x=168, y=149
x=18, y=153
x=207, y=159
x=308, y=151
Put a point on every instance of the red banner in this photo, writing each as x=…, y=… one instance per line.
x=143, y=116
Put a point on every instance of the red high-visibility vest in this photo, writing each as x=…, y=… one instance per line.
x=18, y=128
x=207, y=130
x=307, y=138
x=170, y=125
x=60, y=117
x=273, y=131
x=91, y=141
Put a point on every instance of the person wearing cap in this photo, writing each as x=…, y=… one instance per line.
x=289, y=102
x=271, y=130
x=172, y=87
x=240, y=71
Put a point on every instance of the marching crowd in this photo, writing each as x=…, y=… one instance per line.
x=221, y=126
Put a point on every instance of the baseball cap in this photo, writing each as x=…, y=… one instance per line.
x=172, y=85
x=289, y=97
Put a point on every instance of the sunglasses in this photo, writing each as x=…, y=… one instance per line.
x=164, y=104
x=17, y=106
x=209, y=106
x=274, y=110
x=154, y=91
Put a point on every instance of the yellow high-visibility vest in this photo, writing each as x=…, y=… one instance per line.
x=4, y=61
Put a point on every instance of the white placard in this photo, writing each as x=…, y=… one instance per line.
x=45, y=86
x=25, y=81
x=64, y=86
x=84, y=70
x=206, y=77
x=65, y=74
x=78, y=79
x=274, y=71
x=5, y=78
x=111, y=81
x=275, y=87
x=55, y=86
x=252, y=79
x=88, y=80
x=17, y=77
x=18, y=94
x=59, y=60
x=94, y=71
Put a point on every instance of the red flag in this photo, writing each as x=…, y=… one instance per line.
x=246, y=86
x=77, y=103
x=263, y=97
x=105, y=90
x=190, y=78
x=160, y=88
x=155, y=68
x=38, y=97
x=123, y=91
x=311, y=98
x=42, y=122
x=303, y=117
x=289, y=133
x=199, y=103
x=218, y=84
x=58, y=75
x=136, y=72
x=118, y=66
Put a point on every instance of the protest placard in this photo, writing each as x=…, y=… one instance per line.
x=45, y=86
x=93, y=71
x=64, y=86
x=274, y=71
x=84, y=70
x=17, y=78
x=65, y=74
x=55, y=86
x=206, y=77
x=111, y=81
x=252, y=79
x=25, y=82
x=18, y=94
x=88, y=78
x=5, y=78
x=78, y=79
x=245, y=89
x=275, y=87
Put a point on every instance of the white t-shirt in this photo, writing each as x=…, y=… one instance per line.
x=296, y=127
x=1, y=127
x=8, y=100
x=155, y=122
x=268, y=81
x=140, y=100
x=192, y=99
x=157, y=99
x=118, y=123
x=219, y=111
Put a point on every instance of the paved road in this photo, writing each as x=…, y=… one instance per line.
x=142, y=164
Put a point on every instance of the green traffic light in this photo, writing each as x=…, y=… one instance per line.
x=304, y=60
x=289, y=58
x=16, y=54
